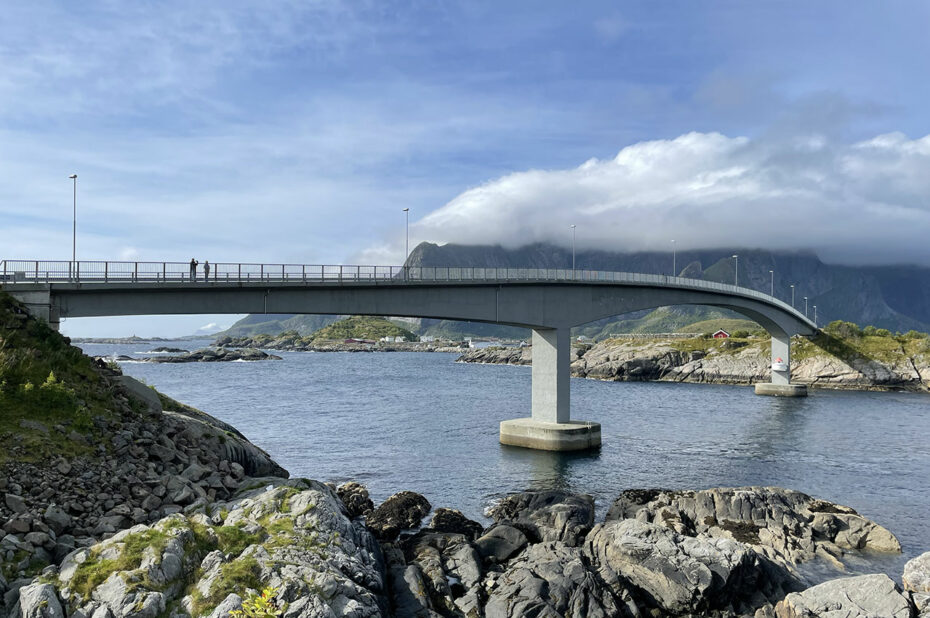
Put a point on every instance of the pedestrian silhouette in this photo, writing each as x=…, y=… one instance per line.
x=206, y=270
x=193, y=269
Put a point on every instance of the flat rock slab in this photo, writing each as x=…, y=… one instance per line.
x=866, y=596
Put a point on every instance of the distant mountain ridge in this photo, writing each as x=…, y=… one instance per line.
x=892, y=297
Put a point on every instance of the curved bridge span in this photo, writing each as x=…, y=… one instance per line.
x=549, y=301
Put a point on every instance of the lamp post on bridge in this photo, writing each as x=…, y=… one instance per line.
x=772, y=274
x=792, y=296
x=805, y=306
x=736, y=270
x=407, y=240
x=674, y=270
x=815, y=315
x=73, y=177
x=573, y=251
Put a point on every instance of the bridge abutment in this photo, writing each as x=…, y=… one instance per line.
x=781, y=385
x=550, y=428
x=39, y=304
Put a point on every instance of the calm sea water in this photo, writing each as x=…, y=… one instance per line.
x=422, y=422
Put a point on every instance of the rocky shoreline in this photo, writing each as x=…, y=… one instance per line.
x=728, y=361
x=294, y=344
x=318, y=550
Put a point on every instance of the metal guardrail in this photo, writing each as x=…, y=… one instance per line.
x=41, y=271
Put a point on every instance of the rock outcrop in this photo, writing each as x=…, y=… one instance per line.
x=294, y=537
x=784, y=525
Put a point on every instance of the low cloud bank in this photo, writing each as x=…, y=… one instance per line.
x=860, y=203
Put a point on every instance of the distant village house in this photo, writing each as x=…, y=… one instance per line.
x=721, y=334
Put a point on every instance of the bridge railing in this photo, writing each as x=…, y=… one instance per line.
x=41, y=271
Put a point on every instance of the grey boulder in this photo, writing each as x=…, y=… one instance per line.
x=37, y=601
x=678, y=574
x=866, y=596
x=552, y=580
x=916, y=576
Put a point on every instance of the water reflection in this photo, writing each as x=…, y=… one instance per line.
x=547, y=469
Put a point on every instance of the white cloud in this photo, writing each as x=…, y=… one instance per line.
x=861, y=203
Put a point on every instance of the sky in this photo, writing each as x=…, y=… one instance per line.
x=298, y=131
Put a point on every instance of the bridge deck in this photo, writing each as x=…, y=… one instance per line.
x=171, y=274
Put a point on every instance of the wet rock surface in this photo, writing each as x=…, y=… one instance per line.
x=401, y=511
x=548, y=515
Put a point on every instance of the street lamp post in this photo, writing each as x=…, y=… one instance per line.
x=674, y=270
x=407, y=239
x=573, y=251
x=805, y=306
x=73, y=177
x=792, y=296
x=815, y=315
x=736, y=270
x=772, y=274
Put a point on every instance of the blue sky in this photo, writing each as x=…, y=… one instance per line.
x=297, y=131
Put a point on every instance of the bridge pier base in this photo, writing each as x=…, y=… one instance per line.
x=39, y=304
x=781, y=385
x=551, y=428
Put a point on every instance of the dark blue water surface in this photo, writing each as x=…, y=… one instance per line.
x=422, y=422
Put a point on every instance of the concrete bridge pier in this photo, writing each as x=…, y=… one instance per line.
x=781, y=385
x=550, y=428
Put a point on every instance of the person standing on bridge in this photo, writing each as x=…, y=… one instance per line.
x=206, y=270
x=193, y=269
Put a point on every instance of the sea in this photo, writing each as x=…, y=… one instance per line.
x=420, y=421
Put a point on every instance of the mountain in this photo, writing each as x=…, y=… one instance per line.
x=892, y=297
x=273, y=324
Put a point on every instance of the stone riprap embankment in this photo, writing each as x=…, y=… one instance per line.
x=544, y=555
x=725, y=362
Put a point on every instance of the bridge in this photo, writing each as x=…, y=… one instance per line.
x=548, y=301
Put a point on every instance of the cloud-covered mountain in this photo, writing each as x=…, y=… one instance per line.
x=859, y=203
x=893, y=297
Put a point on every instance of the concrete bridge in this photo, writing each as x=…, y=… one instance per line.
x=548, y=301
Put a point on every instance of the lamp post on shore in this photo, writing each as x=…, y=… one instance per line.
x=407, y=239
x=772, y=274
x=736, y=270
x=674, y=270
x=73, y=177
x=792, y=296
x=573, y=251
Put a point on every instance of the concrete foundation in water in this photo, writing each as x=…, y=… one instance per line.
x=781, y=390
x=569, y=436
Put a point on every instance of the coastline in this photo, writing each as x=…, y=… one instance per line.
x=730, y=361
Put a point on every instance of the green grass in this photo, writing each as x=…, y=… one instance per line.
x=236, y=576
x=44, y=380
x=95, y=570
x=362, y=327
